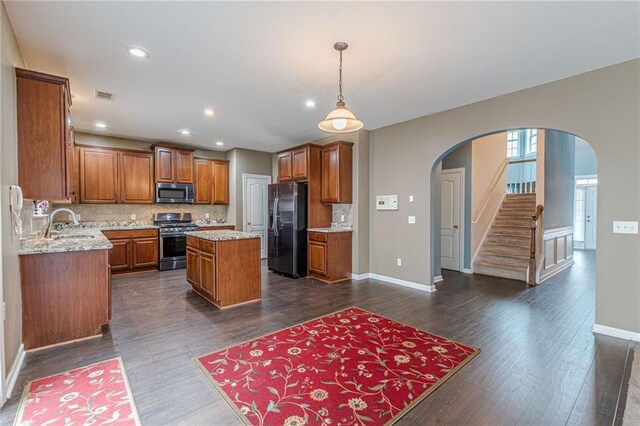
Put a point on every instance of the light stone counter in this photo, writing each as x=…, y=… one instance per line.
x=223, y=235
x=69, y=240
x=331, y=229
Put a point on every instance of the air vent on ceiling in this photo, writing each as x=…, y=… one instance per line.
x=105, y=95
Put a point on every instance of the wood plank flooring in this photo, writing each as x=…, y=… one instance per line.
x=540, y=363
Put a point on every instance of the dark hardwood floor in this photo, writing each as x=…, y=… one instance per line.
x=540, y=363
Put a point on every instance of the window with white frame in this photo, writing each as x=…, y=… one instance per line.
x=531, y=145
x=512, y=144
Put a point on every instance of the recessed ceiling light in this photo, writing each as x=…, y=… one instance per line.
x=219, y=143
x=137, y=51
x=310, y=103
x=184, y=132
x=209, y=112
x=101, y=125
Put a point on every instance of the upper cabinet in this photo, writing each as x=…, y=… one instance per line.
x=173, y=165
x=337, y=170
x=211, y=181
x=45, y=144
x=109, y=176
x=294, y=164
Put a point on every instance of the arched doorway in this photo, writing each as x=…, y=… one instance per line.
x=485, y=190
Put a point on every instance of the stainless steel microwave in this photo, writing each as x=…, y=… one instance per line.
x=174, y=193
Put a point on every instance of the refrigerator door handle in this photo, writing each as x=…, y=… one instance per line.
x=275, y=216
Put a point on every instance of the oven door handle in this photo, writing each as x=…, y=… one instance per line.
x=174, y=234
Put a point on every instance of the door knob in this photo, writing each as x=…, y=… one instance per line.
x=248, y=223
x=455, y=226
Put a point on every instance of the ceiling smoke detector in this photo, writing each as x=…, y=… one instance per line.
x=106, y=96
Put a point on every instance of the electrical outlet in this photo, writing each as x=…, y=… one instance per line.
x=412, y=220
x=206, y=215
x=625, y=227
x=341, y=218
x=79, y=217
x=399, y=262
x=133, y=216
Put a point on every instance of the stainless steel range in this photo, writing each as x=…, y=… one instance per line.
x=173, y=241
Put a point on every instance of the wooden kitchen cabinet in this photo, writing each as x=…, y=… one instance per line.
x=337, y=173
x=329, y=256
x=43, y=104
x=98, y=176
x=285, y=166
x=133, y=250
x=211, y=181
x=216, y=228
x=173, y=165
x=120, y=255
x=110, y=176
x=136, y=177
x=300, y=160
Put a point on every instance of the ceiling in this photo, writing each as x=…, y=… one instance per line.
x=255, y=64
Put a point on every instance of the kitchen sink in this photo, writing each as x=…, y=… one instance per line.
x=73, y=237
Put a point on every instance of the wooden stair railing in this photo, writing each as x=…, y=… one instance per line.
x=533, y=263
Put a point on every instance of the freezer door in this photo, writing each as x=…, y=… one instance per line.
x=285, y=228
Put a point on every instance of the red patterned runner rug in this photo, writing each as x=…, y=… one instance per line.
x=351, y=367
x=97, y=394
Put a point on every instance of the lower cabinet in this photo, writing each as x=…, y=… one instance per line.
x=329, y=256
x=133, y=250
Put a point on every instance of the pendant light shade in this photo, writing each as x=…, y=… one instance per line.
x=340, y=119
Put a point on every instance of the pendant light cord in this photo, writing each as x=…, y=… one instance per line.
x=340, y=97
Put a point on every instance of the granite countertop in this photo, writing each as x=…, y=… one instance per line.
x=207, y=222
x=222, y=235
x=108, y=226
x=331, y=229
x=69, y=240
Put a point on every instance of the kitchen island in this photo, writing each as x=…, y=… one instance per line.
x=66, y=287
x=223, y=267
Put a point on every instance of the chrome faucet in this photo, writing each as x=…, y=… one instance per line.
x=47, y=233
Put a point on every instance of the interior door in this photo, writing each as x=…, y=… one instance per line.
x=450, y=220
x=591, y=218
x=255, y=208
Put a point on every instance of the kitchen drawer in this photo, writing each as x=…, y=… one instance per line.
x=131, y=233
x=217, y=228
x=193, y=242
x=318, y=236
x=207, y=246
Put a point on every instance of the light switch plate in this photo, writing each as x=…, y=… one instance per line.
x=133, y=216
x=387, y=202
x=206, y=215
x=399, y=262
x=411, y=198
x=412, y=219
x=625, y=227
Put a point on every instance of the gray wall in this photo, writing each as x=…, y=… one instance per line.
x=601, y=106
x=461, y=158
x=586, y=162
x=9, y=268
x=243, y=161
x=559, y=179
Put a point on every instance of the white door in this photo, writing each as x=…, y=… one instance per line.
x=255, y=207
x=451, y=220
x=591, y=198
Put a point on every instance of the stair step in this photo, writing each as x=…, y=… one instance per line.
x=513, y=221
x=495, y=270
x=503, y=260
x=510, y=232
x=527, y=195
x=515, y=240
x=519, y=204
x=515, y=249
x=489, y=252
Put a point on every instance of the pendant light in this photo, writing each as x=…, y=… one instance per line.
x=340, y=120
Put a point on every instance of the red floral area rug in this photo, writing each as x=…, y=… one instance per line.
x=351, y=367
x=98, y=394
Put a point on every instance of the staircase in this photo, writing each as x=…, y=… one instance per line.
x=506, y=249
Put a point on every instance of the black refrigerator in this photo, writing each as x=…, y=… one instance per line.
x=287, y=233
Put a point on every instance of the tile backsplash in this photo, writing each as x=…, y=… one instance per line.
x=123, y=212
x=342, y=209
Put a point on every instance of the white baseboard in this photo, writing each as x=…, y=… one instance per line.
x=616, y=332
x=12, y=377
x=422, y=287
x=359, y=277
x=437, y=279
x=467, y=270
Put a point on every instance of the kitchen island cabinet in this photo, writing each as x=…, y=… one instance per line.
x=66, y=287
x=223, y=267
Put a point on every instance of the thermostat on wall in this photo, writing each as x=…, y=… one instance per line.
x=387, y=202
